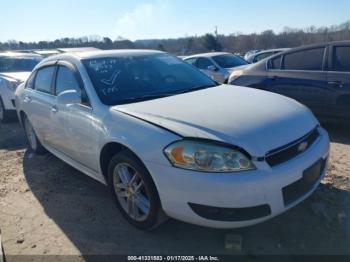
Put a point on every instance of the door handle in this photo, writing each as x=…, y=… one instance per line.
x=339, y=84
x=54, y=109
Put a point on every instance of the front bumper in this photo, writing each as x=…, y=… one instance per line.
x=180, y=189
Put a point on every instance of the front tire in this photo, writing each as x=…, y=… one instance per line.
x=134, y=191
x=32, y=139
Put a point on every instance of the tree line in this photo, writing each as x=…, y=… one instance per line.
x=235, y=43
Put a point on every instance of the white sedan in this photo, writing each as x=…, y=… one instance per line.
x=14, y=70
x=169, y=142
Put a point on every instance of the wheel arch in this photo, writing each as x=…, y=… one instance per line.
x=109, y=150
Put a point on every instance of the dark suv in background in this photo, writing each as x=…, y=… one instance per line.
x=317, y=76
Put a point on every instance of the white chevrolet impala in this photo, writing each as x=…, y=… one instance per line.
x=169, y=141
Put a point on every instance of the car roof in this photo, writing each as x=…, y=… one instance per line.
x=103, y=53
x=19, y=54
x=211, y=54
x=270, y=50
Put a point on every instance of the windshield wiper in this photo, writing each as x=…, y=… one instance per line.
x=142, y=98
x=196, y=88
x=155, y=96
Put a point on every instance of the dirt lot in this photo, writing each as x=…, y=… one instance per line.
x=47, y=207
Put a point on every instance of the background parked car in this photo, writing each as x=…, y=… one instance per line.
x=249, y=53
x=317, y=76
x=217, y=65
x=258, y=56
x=14, y=69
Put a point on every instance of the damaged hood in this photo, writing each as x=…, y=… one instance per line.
x=255, y=120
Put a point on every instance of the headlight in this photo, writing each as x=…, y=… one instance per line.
x=235, y=74
x=206, y=156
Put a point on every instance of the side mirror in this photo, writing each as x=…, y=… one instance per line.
x=69, y=97
x=212, y=68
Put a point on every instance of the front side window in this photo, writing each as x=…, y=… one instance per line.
x=275, y=63
x=341, y=59
x=128, y=79
x=191, y=61
x=229, y=61
x=18, y=64
x=204, y=63
x=311, y=59
x=66, y=80
x=43, y=79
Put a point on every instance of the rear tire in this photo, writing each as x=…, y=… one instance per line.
x=134, y=191
x=32, y=139
x=4, y=114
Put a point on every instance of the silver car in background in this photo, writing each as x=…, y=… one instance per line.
x=258, y=56
x=217, y=65
x=14, y=70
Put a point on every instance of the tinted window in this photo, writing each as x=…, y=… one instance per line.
x=229, y=61
x=43, y=79
x=66, y=80
x=341, y=58
x=311, y=59
x=191, y=61
x=203, y=63
x=128, y=79
x=262, y=56
x=18, y=64
x=276, y=63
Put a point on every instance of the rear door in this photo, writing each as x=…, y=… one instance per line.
x=38, y=101
x=339, y=80
x=301, y=75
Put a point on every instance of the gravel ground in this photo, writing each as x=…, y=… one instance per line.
x=47, y=207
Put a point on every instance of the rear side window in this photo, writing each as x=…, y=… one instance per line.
x=341, y=58
x=311, y=59
x=203, y=63
x=275, y=63
x=66, y=80
x=43, y=79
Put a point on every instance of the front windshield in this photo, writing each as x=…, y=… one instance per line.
x=229, y=61
x=18, y=64
x=127, y=79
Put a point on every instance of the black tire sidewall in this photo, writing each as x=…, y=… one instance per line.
x=4, y=112
x=39, y=148
x=129, y=158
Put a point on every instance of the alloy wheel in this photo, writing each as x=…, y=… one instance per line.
x=131, y=192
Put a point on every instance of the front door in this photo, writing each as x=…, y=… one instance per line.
x=303, y=78
x=77, y=139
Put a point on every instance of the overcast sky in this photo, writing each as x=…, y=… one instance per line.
x=34, y=20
